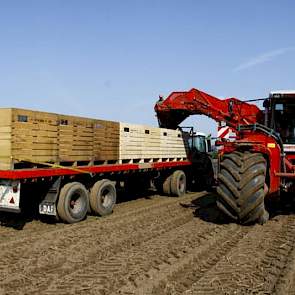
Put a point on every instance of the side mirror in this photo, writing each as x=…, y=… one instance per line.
x=209, y=146
x=266, y=103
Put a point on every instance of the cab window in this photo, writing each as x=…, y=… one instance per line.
x=284, y=121
x=199, y=142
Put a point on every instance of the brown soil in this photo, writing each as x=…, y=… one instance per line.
x=155, y=245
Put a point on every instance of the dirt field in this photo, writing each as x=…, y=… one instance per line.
x=151, y=245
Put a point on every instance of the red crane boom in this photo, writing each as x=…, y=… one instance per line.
x=180, y=105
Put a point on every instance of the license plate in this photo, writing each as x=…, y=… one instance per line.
x=47, y=208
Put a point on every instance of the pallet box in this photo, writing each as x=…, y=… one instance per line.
x=37, y=138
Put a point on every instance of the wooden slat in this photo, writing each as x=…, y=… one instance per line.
x=59, y=138
x=5, y=138
x=139, y=141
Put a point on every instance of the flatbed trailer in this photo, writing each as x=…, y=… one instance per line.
x=70, y=166
x=71, y=192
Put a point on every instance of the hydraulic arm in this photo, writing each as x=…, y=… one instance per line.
x=180, y=105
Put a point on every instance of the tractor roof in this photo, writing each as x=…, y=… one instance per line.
x=282, y=93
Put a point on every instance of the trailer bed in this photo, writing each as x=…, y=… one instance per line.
x=67, y=171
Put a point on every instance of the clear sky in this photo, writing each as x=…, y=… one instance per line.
x=111, y=59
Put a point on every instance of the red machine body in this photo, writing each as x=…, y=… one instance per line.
x=256, y=130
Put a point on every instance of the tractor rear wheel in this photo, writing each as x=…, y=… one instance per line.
x=241, y=188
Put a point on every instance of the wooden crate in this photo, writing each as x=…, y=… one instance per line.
x=34, y=137
x=139, y=142
x=39, y=137
x=5, y=139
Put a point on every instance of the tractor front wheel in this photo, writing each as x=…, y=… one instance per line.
x=241, y=188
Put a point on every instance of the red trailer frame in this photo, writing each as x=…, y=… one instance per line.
x=58, y=185
x=20, y=174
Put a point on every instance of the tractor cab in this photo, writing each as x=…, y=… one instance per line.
x=281, y=112
x=196, y=140
x=199, y=141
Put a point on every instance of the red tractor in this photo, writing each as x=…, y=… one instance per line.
x=259, y=163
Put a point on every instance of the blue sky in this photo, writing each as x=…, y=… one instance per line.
x=111, y=59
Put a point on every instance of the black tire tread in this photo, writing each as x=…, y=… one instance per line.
x=241, y=187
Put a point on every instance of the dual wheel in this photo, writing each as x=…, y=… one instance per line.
x=75, y=200
x=174, y=184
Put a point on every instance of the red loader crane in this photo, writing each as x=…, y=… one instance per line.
x=259, y=163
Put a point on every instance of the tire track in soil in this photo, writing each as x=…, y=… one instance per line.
x=196, y=265
x=134, y=265
x=153, y=247
x=36, y=227
x=39, y=266
x=256, y=265
x=278, y=263
x=286, y=281
x=199, y=245
x=118, y=216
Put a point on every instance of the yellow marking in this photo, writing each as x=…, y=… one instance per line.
x=144, y=166
x=271, y=145
x=54, y=165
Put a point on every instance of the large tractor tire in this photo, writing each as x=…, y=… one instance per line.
x=241, y=188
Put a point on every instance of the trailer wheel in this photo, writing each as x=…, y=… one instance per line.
x=73, y=201
x=178, y=183
x=103, y=197
x=241, y=187
x=167, y=185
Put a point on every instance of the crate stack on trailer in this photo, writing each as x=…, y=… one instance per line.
x=81, y=160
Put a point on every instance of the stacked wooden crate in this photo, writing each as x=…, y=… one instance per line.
x=5, y=139
x=143, y=143
x=34, y=135
x=106, y=140
x=38, y=137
